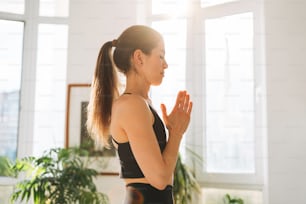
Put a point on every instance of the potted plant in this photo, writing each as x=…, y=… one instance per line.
x=60, y=175
x=185, y=183
x=229, y=200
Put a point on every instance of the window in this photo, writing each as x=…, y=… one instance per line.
x=222, y=73
x=54, y=8
x=175, y=45
x=231, y=112
x=9, y=6
x=33, y=49
x=175, y=49
x=229, y=87
x=11, y=43
x=207, y=3
x=50, y=86
x=171, y=7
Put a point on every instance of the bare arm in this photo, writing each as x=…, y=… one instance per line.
x=176, y=122
x=136, y=121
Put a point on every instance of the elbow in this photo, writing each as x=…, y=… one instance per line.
x=160, y=186
x=159, y=183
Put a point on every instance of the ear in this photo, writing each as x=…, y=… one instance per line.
x=138, y=57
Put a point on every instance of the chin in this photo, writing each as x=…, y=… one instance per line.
x=156, y=83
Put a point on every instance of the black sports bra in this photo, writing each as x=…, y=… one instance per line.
x=129, y=166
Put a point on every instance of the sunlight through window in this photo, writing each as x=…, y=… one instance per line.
x=50, y=80
x=16, y=6
x=230, y=113
x=172, y=7
x=207, y=3
x=11, y=43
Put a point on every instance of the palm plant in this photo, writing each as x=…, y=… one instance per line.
x=229, y=200
x=59, y=176
x=185, y=183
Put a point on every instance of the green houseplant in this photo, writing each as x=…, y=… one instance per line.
x=6, y=167
x=229, y=200
x=185, y=183
x=60, y=175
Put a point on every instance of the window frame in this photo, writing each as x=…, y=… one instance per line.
x=196, y=15
x=31, y=20
x=252, y=181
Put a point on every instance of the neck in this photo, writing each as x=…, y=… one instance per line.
x=135, y=85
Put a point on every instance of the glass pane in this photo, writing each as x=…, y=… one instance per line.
x=174, y=33
x=207, y=3
x=168, y=6
x=54, y=8
x=15, y=6
x=11, y=43
x=50, y=87
x=230, y=94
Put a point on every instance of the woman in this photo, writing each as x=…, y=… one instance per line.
x=147, y=158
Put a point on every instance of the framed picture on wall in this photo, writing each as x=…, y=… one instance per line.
x=102, y=159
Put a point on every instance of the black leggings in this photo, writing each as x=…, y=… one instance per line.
x=141, y=193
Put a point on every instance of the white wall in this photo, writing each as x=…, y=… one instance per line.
x=286, y=93
x=91, y=24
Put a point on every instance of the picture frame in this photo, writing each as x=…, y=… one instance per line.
x=103, y=160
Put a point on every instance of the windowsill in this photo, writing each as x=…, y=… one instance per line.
x=217, y=195
x=7, y=181
x=6, y=188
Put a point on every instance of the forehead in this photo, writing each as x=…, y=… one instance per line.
x=160, y=47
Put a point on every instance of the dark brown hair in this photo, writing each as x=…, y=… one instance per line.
x=105, y=81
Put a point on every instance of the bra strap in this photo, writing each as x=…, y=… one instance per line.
x=115, y=141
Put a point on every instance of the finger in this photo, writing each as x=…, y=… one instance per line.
x=178, y=99
x=189, y=108
x=164, y=111
x=186, y=102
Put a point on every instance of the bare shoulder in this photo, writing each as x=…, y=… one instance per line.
x=130, y=104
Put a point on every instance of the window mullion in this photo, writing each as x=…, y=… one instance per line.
x=53, y=20
x=11, y=16
x=27, y=100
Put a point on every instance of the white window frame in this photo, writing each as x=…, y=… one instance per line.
x=31, y=21
x=250, y=181
x=195, y=72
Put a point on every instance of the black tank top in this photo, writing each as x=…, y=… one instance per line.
x=129, y=166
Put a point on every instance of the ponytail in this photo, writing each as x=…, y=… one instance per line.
x=104, y=91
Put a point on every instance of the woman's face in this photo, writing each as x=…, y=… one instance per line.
x=155, y=65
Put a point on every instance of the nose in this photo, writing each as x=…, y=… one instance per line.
x=165, y=65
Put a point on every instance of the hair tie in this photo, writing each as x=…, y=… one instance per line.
x=114, y=43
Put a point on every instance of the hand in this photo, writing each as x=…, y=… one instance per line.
x=178, y=120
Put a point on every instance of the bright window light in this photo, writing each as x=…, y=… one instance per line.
x=54, y=8
x=50, y=87
x=172, y=7
x=11, y=44
x=174, y=33
x=15, y=6
x=229, y=82
x=207, y=3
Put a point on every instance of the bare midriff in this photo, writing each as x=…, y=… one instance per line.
x=135, y=180
x=138, y=180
